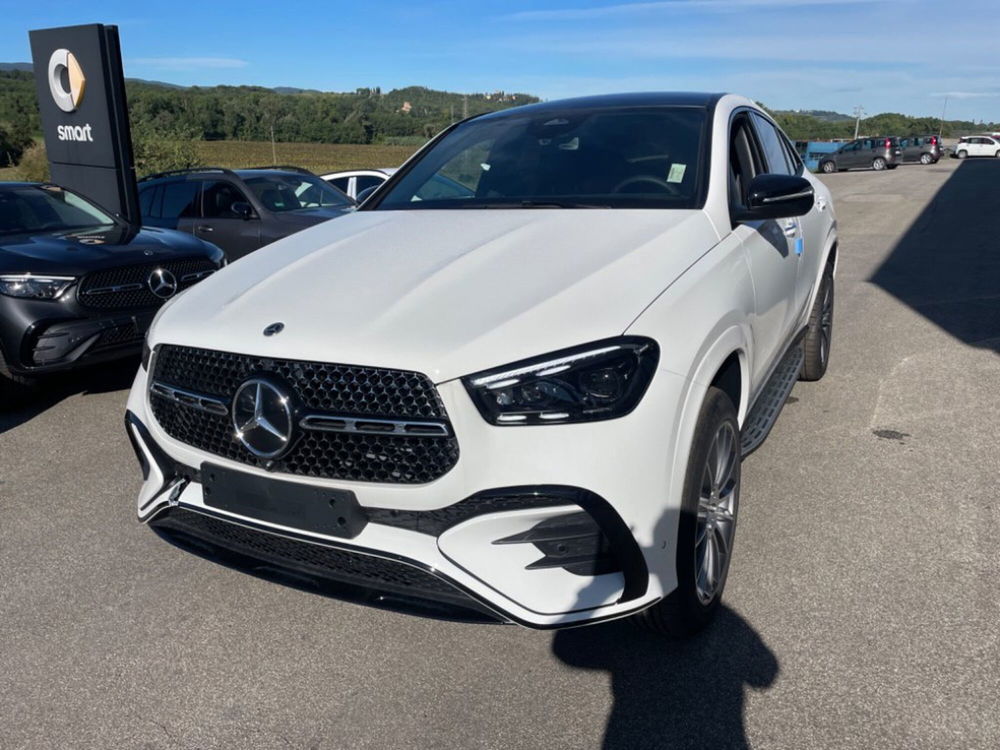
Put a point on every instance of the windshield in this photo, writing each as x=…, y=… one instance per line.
x=288, y=192
x=33, y=209
x=642, y=157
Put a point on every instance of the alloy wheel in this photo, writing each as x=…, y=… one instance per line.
x=826, y=323
x=879, y=164
x=717, y=506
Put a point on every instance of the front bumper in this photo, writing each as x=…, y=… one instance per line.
x=40, y=336
x=422, y=542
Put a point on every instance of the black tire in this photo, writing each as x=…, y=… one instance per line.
x=962, y=154
x=828, y=167
x=997, y=154
x=878, y=164
x=819, y=333
x=13, y=388
x=684, y=612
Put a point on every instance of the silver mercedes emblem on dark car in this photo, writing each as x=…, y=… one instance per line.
x=262, y=416
x=162, y=283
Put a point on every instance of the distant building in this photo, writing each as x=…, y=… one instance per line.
x=406, y=108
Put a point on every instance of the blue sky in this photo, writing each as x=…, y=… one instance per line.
x=887, y=55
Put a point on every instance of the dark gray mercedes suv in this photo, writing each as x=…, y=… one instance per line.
x=239, y=210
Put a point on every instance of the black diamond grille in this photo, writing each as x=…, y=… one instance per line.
x=122, y=335
x=130, y=275
x=340, y=389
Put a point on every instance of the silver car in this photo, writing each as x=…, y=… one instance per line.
x=925, y=149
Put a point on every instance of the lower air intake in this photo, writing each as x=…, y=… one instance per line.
x=373, y=579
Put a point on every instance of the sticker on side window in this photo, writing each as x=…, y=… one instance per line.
x=676, y=173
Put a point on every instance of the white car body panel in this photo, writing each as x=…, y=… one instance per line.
x=451, y=293
x=445, y=293
x=350, y=178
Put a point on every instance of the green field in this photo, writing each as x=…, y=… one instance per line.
x=318, y=157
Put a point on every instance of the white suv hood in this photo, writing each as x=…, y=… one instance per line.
x=446, y=293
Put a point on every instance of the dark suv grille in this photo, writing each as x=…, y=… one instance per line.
x=344, y=390
x=120, y=288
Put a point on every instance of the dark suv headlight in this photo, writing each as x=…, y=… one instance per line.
x=34, y=287
x=602, y=380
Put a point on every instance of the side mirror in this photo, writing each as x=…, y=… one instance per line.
x=242, y=209
x=777, y=196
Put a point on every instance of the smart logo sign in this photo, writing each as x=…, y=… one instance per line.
x=81, y=98
x=67, y=84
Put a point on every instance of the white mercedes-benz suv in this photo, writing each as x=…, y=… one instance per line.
x=528, y=397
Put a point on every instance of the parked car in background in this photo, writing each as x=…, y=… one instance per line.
x=361, y=183
x=864, y=153
x=239, y=210
x=529, y=397
x=977, y=145
x=925, y=149
x=812, y=152
x=354, y=181
x=79, y=286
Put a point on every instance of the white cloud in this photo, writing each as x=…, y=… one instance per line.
x=188, y=63
x=967, y=95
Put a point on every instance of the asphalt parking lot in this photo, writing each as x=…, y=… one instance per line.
x=863, y=608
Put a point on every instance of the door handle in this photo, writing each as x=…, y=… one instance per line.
x=205, y=228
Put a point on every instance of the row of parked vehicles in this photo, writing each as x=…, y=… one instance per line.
x=888, y=152
x=881, y=153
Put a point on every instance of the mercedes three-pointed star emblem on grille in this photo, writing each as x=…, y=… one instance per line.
x=262, y=416
x=162, y=283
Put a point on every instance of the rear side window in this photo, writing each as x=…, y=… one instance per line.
x=180, y=200
x=364, y=182
x=770, y=141
x=340, y=183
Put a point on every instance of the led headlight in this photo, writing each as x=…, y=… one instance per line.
x=602, y=380
x=34, y=287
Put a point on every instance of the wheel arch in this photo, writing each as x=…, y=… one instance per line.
x=718, y=366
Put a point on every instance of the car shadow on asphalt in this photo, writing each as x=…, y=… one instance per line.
x=113, y=376
x=673, y=694
x=946, y=266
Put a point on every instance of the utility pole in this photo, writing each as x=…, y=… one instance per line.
x=943, y=110
x=465, y=106
x=859, y=111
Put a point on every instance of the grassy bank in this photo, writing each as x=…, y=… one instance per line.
x=318, y=157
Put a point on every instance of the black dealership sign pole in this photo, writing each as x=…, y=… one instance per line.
x=81, y=97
